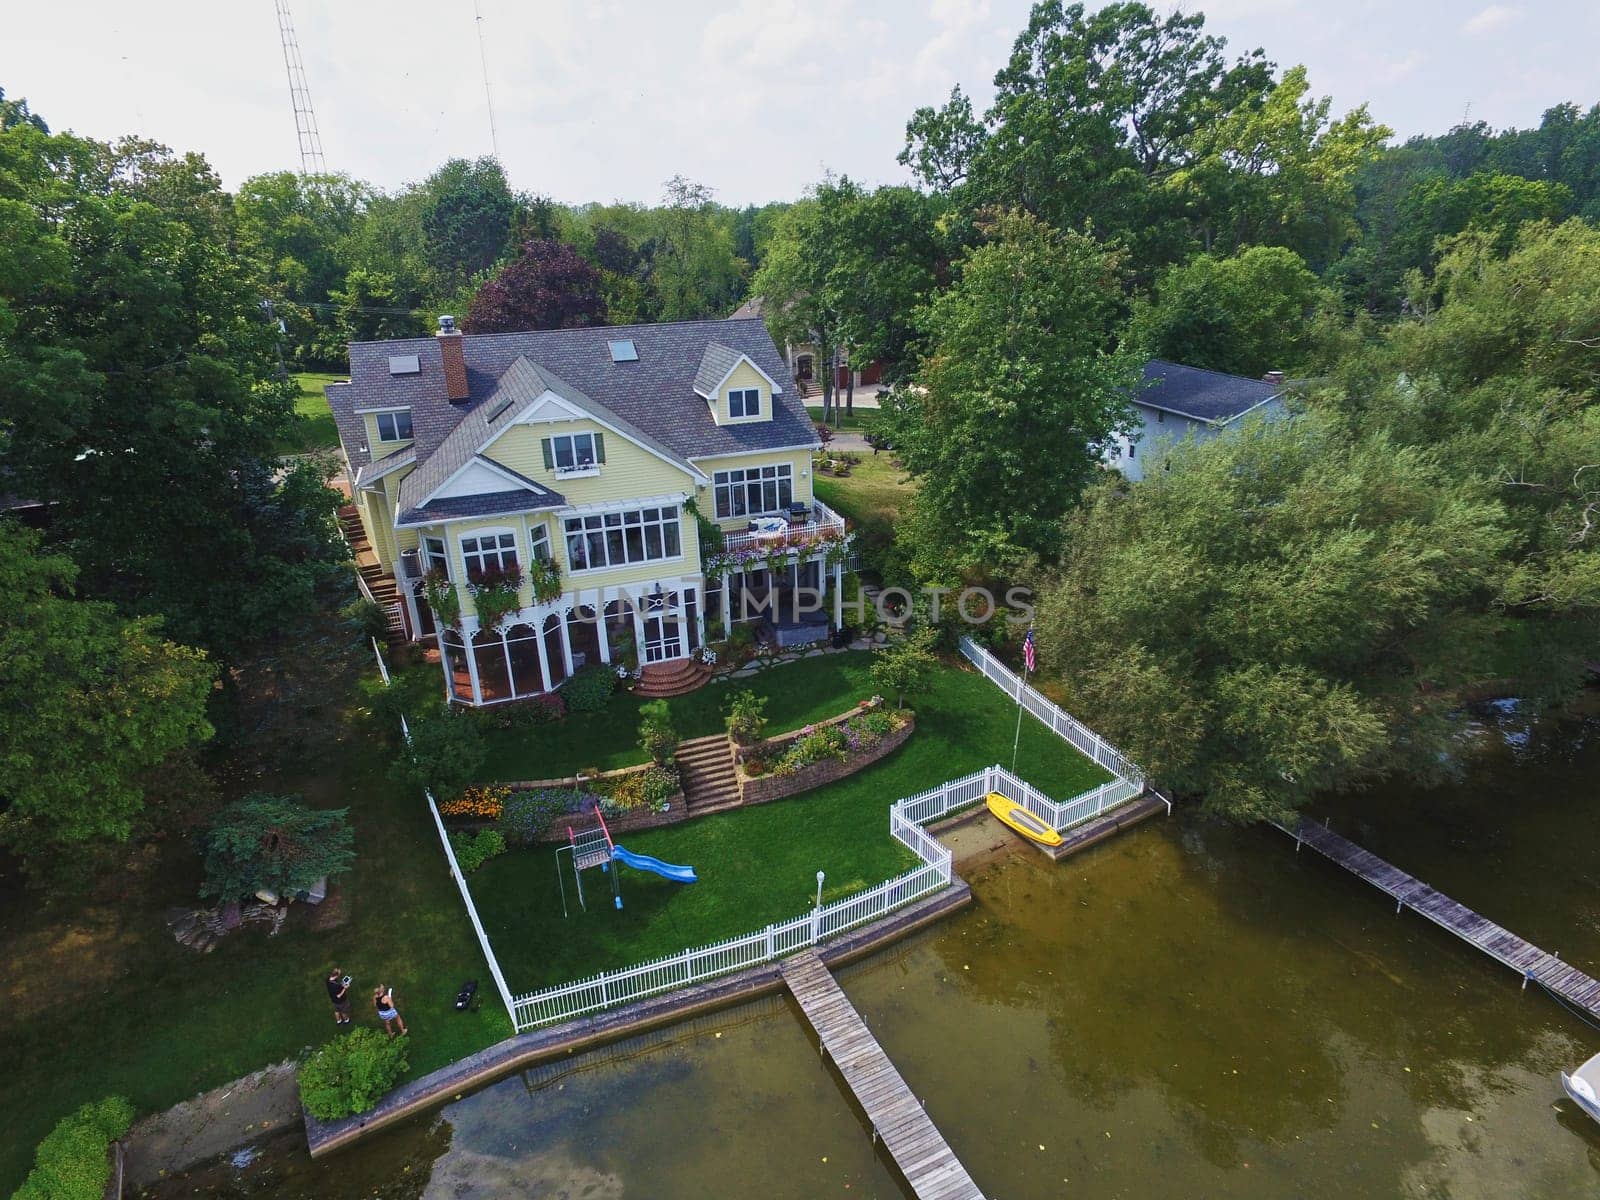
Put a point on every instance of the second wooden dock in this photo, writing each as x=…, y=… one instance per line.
x=1560, y=979
x=917, y=1147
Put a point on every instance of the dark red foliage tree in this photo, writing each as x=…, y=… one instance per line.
x=550, y=287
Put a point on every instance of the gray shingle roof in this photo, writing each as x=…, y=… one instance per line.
x=653, y=398
x=715, y=364
x=1200, y=394
x=488, y=504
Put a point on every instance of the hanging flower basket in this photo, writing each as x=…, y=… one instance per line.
x=545, y=576
x=496, y=595
x=443, y=598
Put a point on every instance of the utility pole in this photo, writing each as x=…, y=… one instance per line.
x=483, y=59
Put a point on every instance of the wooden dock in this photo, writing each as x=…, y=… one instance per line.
x=1561, y=979
x=917, y=1147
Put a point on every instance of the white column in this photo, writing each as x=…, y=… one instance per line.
x=444, y=662
x=472, y=665
x=600, y=628
x=700, y=612
x=637, y=608
x=566, y=642
x=681, y=624
x=838, y=594
x=544, y=659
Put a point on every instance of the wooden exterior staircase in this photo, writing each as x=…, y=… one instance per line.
x=705, y=766
x=676, y=678
x=376, y=583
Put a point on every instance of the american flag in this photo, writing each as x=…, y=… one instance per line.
x=1028, y=655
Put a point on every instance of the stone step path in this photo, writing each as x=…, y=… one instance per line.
x=706, y=768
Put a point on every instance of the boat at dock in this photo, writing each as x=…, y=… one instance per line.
x=1583, y=1085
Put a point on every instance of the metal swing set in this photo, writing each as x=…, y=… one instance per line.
x=591, y=848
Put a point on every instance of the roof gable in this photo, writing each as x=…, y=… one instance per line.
x=1201, y=394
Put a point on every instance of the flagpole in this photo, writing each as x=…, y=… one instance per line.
x=1017, y=739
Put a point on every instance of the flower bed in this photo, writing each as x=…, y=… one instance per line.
x=820, y=754
x=537, y=810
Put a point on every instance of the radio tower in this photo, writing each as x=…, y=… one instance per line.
x=305, y=120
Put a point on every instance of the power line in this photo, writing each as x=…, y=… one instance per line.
x=483, y=58
x=305, y=119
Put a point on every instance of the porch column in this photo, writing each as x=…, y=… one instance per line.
x=566, y=642
x=444, y=662
x=838, y=595
x=544, y=659
x=681, y=624
x=700, y=612
x=637, y=608
x=600, y=628
x=472, y=665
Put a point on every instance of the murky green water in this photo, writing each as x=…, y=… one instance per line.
x=1187, y=1011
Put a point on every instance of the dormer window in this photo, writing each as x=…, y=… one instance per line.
x=744, y=402
x=574, y=453
x=394, y=426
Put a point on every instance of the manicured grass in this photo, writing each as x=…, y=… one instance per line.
x=875, y=491
x=759, y=864
x=861, y=420
x=101, y=999
x=797, y=693
x=315, y=429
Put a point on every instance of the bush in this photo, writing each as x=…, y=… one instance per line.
x=527, y=815
x=351, y=1073
x=657, y=737
x=367, y=618
x=746, y=716
x=71, y=1163
x=589, y=688
x=472, y=850
x=649, y=788
x=273, y=843
x=524, y=714
x=446, y=752
x=904, y=665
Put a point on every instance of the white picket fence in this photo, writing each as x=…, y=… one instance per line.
x=906, y=818
x=1061, y=722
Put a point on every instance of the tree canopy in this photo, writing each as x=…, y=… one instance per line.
x=550, y=287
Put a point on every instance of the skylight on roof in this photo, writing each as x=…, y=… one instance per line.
x=624, y=351
x=404, y=364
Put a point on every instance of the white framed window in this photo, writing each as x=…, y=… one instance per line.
x=394, y=426
x=753, y=491
x=434, y=556
x=744, y=402
x=570, y=453
x=615, y=539
x=489, y=552
x=539, y=543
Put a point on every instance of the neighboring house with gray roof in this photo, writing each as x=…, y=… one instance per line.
x=1177, y=402
x=557, y=467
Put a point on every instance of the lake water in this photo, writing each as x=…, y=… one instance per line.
x=1189, y=1010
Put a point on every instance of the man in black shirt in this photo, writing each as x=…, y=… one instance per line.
x=339, y=993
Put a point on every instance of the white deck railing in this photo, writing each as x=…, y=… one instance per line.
x=824, y=521
x=1061, y=722
x=781, y=938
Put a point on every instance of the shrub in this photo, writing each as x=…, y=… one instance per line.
x=746, y=716
x=527, y=815
x=657, y=737
x=275, y=843
x=589, y=688
x=484, y=803
x=524, y=714
x=351, y=1073
x=446, y=752
x=71, y=1163
x=649, y=788
x=904, y=665
x=367, y=618
x=472, y=850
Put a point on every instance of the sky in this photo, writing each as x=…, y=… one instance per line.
x=606, y=99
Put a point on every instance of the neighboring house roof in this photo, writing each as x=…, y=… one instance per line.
x=750, y=308
x=651, y=400
x=1202, y=395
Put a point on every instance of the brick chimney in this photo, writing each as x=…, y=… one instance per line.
x=454, y=355
x=1273, y=377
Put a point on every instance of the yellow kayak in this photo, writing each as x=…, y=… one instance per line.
x=1024, y=822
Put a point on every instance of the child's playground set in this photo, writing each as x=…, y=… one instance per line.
x=594, y=848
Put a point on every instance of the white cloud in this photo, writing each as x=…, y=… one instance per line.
x=1496, y=16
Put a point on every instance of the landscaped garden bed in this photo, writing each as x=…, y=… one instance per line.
x=815, y=755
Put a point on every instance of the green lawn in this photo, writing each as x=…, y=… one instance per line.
x=100, y=999
x=797, y=693
x=759, y=864
x=875, y=491
x=861, y=420
x=314, y=421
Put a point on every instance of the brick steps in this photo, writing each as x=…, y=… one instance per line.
x=662, y=680
x=706, y=768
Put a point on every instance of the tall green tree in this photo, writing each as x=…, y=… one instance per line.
x=90, y=705
x=139, y=396
x=1247, y=314
x=467, y=211
x=1288, y=610
x=1019, y=393
x=696, y=272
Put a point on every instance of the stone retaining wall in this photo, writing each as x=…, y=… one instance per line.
x=759, y=789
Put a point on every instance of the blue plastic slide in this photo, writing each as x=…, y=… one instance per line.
x=643, y=862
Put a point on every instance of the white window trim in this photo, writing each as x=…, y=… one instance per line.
x=494, y=531
x=779, y=468
x=577, y=470
x=631, y=506
x=377, y=423
x=744, y=395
